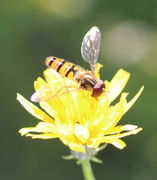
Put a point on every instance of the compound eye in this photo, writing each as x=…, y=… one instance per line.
x=98, y=88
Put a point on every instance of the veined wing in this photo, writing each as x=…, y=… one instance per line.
x=90, y=47
x=49, y=91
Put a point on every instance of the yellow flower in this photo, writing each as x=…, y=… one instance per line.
x=75, y=117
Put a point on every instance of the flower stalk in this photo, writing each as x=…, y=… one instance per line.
x=87, y=170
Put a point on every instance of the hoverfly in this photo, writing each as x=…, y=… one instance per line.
x=86, y=78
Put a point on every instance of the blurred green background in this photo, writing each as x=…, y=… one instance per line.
x=34, y=29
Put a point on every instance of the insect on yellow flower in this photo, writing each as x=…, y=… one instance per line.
x=78, y=119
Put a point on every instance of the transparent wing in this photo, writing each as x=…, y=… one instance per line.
x=49, y=91
x=90, y=47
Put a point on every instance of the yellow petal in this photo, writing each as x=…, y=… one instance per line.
x=76, y=147
x=117, y=84
x=127, y=127
x=81, y=133
x=42, y=136
x=115, y=142
x=26, y=130
x=124, y=134
x=51, y=75
x=38, y=83
x=115, y=113
x=42, y=130
x=48, y=108
x=130, y=103
x=98, y=67
x=41, y=127
x=34, y=110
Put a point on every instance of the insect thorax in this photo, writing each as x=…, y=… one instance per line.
x=86, y=79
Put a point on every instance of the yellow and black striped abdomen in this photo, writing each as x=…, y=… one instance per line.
x=63, y=67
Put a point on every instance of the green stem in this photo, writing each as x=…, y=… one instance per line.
x=87, y=170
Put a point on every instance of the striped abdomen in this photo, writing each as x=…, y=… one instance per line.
x=63, y=67
x=86, y=79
